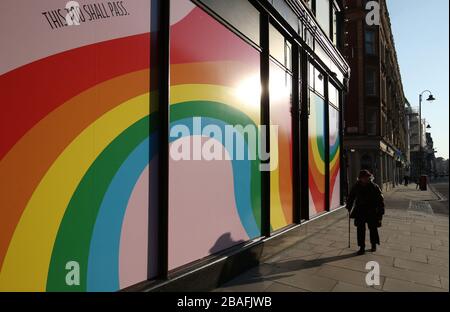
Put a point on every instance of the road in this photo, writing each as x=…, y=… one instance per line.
x=441, y=207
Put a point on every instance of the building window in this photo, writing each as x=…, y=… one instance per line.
x=281, y=205
x=319, y=85
x=316, y=80
x=280, y=48
x=334, y=158
x=236, y=71
x=371, y=120
x=323, y=15
x=333, y=95
x=370, y=42
x=316, y=144
x=371, y=89
x=240, y=14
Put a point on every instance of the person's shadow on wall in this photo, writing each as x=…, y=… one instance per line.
x=236, y=259
x=223, y=242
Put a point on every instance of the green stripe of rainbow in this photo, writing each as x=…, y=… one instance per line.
x=35, y=233
x=50, y=244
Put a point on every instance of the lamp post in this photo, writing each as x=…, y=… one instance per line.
x=430, y=98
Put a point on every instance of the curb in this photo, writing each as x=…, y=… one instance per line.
x=435, y=192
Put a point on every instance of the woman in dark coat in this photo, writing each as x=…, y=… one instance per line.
x=366, y=205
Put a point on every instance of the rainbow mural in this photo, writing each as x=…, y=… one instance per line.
x=316, y=148
x=335, y=190
x=79, y=157
x=77, y=149
x=281, y=205
x=214, y=204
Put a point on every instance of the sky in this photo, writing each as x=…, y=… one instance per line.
x=421, y=30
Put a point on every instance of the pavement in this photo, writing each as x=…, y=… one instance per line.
x=440, y=188
x=413, y=255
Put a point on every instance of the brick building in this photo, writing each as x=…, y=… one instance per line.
x=375, y=135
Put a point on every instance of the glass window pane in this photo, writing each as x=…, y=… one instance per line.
x=240, y=14
x=80, y=200
x=288, y=55
x=215, y=85
x=280, y=48
x=370, y=42
x=333, y=95
x=370, y=82
x=371, y=120
x=286, y=11
x=281, y=206
x=335, y=150
x=323, y=15
x=316, y=147
x=319, y=82
x=276, y=44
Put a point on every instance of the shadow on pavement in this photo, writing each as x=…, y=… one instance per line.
x=277, y=270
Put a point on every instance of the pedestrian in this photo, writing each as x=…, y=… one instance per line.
x=366, y=205
x=406, y=178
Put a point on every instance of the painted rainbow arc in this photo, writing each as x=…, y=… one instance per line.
x=316, y=147
x=38, y=204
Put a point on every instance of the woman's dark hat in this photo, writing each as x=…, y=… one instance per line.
x=364, y=174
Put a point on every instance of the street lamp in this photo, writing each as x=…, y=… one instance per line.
x=430, y=98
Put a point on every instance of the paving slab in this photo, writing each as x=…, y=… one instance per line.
x=347, y=275
x=279, y=287
x=427, y=279
x=398, y=285
x=309, y=282
x=346, y=287
x=420, y=267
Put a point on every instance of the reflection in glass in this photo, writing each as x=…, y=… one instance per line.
x=316, y=151
x=280, y=48
x=335, y=188
x=240, y=14
x=281, y=207
x=323, y=15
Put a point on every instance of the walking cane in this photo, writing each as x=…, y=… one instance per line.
x=349, y=229
x=349, y=214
